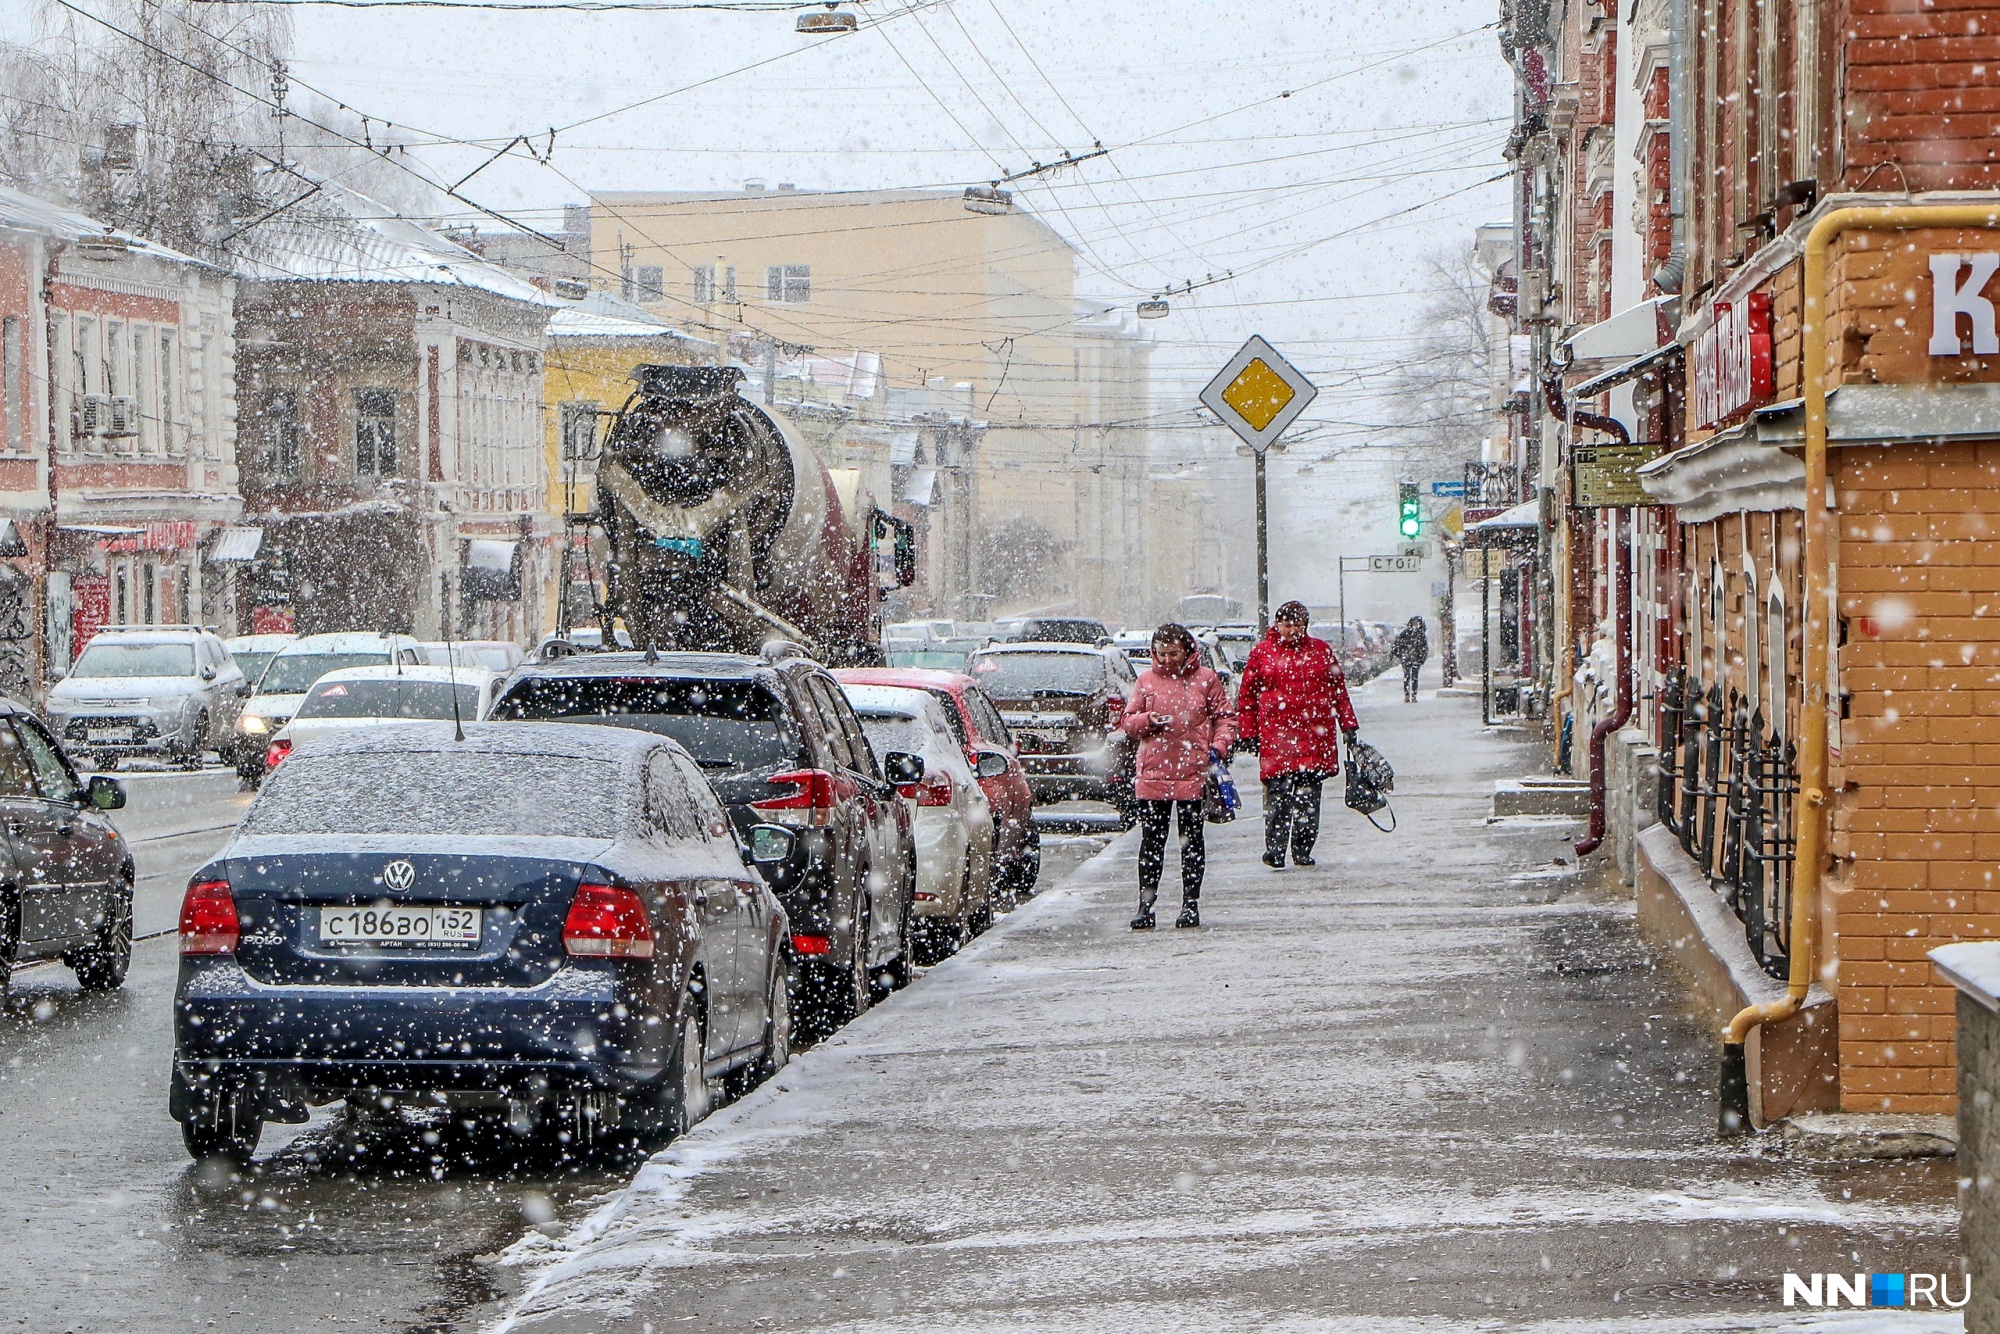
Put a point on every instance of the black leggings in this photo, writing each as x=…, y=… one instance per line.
x=1153, y=817
x=1291, y=813
x=1410, y=671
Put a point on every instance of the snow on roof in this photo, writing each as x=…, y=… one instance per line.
x=340, y=235
x=30, y=213
x=602, y=315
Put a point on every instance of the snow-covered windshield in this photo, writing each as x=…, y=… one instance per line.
x=455, y=793
x=120, y=660
x=725, y=725
x=1019, y=675
x=393, y=697
x=894, y=731
x=294, y=673
x=252, y=664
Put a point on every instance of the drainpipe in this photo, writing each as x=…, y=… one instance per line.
x=1810, y=813
x=1621, y=711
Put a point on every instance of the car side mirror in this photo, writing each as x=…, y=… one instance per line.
x=770, y=844
x=901, y=768
x=208, y=673
x=106, y=794
x=992, y=764
x=243, y=689
x=57, y=673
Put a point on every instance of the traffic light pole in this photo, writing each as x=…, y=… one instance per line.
x=1263, y=552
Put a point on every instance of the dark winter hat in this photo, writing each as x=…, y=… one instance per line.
x=1295, y=612
x=1175, y=633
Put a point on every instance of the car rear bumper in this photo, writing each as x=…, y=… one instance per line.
x=576, y=1030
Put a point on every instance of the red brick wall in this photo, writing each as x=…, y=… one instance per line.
x=1922, y=94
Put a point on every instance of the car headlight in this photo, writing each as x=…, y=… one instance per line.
x=253, y=725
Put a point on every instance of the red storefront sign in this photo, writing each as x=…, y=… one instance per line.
x=90, y=610
x=1730, y=362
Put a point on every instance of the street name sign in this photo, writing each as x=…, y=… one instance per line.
x=1257, y=394
x=1395, y=564
x=1607, y=476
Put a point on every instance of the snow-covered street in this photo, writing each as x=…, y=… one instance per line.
x=1435, y=1079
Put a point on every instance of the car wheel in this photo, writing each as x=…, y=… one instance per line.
x=189, y=756
x=859, y=992
x=980, y=919
x=222, y=1124
x=690, y=1097
x=102, y=967
x=777, y=1052
x=1029, y=869
x=10, y=937
x=903, y=970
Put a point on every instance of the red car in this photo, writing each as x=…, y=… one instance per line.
x=1017, y=843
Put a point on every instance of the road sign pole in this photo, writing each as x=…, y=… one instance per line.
x=1263, y=552
x=1343, y=602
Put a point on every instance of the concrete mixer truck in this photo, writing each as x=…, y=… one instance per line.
x=724, y=530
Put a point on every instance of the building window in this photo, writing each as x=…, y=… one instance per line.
x=1774, y=646
x=1753, y=661
x=169, y=372
x=280, y=424
x=145, y=431
x=645, y=283
x=704, y=284
x=788, y=283
x=579, y=431
x=374, y=433
x=11, y=398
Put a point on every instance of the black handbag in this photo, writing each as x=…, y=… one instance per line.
x=1369, y=779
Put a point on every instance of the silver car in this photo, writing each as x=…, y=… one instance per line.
x=164, y=690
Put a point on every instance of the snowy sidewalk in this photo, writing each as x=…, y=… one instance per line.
x=1434, y=1083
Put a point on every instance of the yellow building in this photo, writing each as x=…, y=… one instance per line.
x=593, y=347
x=973, y=317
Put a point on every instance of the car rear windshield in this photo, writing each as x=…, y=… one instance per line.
x=894, y=731
x=1019, y=675
x=394, y=697
x=294, y=673
x=725, y=725
x=114, y=660
x=460, y=794
x=1064, y=632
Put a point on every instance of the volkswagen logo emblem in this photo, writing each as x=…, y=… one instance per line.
x=399, y=875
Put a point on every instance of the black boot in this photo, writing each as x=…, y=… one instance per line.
x=1303, y=859
x=1144, y=921
x=1190, y=914
x=1275, y=860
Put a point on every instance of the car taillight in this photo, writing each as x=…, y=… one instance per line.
x=208, y=919
x=275, y=753
x=811, y=944
x=812, y=793
x=935, y=790
x=607, y=922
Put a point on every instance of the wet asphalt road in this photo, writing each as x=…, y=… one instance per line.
x=106, y=1226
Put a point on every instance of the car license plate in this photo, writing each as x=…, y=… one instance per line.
x=399, y=924
x=1036, y=741
x=108, y=734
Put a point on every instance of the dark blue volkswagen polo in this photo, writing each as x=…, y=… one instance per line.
x=547, y=922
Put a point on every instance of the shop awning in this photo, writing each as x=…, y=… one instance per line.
x=903, y=450
x=1632, y=332
x=923, y=484
x=236, y=545
x=101, y=529
x=1630, y=370
x=490, y=554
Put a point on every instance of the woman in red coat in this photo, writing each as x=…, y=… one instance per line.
x=1293, y=703
x=1179, y=712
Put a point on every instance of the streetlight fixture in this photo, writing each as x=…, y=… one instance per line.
x=831, y=23
x=1154, y=308
x=988, y=199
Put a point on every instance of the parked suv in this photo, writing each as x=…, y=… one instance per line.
x=1063, y=703
x=780, y=744
x=291, y=673
x=169, y=690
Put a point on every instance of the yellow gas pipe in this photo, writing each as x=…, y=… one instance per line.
x=1807, y=854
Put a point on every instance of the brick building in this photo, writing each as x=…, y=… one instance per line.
x=117, y=437
x=1737, y=129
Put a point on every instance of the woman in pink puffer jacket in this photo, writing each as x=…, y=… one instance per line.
x=1180, y=714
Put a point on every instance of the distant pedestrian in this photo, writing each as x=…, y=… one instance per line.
x=1292, y=701
x=1180, y=715
x=1413, y=649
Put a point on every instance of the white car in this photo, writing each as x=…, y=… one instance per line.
x=355, y=697
x=493, y=655
x=253, y=653
x=954, y=822
x=289, y=674
x=170, y=691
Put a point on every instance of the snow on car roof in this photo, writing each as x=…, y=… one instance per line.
x=1044, y=646
x=905, y=701
x=665, y=665
x=465, y=676
x=347, y=641
x=579, y=741
x=917, y=678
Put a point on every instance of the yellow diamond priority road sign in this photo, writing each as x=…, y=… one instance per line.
x=1258, y=394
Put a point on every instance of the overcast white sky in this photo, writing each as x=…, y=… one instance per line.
x=1327, y=202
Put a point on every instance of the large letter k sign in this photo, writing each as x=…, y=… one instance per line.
x=1949, y=301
